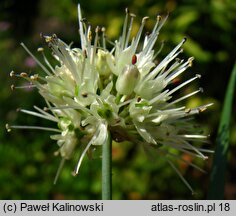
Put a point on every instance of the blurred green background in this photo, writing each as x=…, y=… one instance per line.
x=27, y=163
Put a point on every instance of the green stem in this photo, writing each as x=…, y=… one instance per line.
x=106, y=169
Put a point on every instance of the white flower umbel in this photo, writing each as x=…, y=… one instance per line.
x=94, y=92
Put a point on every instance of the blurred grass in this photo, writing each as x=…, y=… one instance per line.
x=27, y=164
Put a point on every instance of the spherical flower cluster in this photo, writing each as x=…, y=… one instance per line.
x=94, y=92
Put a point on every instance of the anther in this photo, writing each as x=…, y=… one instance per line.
x=134, y=59
x=176, y=81
x=85, y=53
x=132, y=15
x=201, y=89
x=163, y=41
x=84, y=94
x=56, y=153
x=139, y=99
x=188, y=110
x=89, y=36
x=73, y=173
x=98, y=29
x=23, y=74
x=145, y=19
x=8, y=128
x=40, y=49
x=12, y=74
x=48, y=39
x=12, y=87
x=190, y=61
x=34, y=77
x=117, y=120
x=84, y=20
x=45, y=109
x=178, y=60
x=185, y=39
x=201, y=109
x=54, y=36
x=198, y=76
x=159, y=18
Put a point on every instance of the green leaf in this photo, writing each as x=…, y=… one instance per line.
x=217, y=179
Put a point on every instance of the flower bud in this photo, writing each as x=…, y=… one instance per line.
x=101, y=63
x=127, y=79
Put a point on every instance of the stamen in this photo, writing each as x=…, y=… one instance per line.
x=162, y=64
x=88, y=42
x=35, y=78
x=84, y=152
x=129, y=30
x=159, y=96
x=194, y=136
x=97, y=30
x=83, y=65
x=38, y=62
x=59, y=170
x=13, y=87
x=181, y=176
x=77, y=106
x=153, y=37
x=183, y=160
x=183, y=84
x=164, y=112
x=9, y=127
x=98, y=131
x=81, y=29
x=44, y=112
x=160, y=49
x=41, y=50
x=63, y=53
x=138, y=36
x=183, y=98
x=104, y=38
x=177, y=72
x=197, y=150
x=89, y=34
x=184, y=146
x=122, y=40
x=125, y=103
x=51, y=118
x=201, y=108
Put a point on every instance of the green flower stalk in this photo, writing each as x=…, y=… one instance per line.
x=94, y=94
